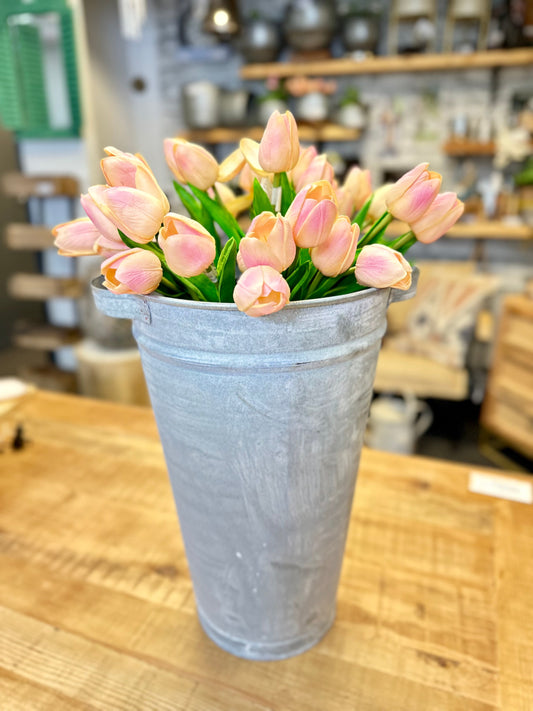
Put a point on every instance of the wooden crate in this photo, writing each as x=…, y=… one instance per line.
x=508, y=405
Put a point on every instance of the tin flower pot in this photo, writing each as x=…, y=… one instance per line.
x=261, y=422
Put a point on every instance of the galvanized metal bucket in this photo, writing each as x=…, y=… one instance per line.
x=262, y=422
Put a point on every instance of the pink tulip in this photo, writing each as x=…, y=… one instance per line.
x=305, y=159
x=188, y=247
x=279, y=149
x=109, y=241
x=319, y=168
x=76, y=238
x=136, y=271
x=312, y=214
x=131, y=171
x=355, y=191
x=413, y=193
x=268, y=242
x=380, y=266
x=444, y=212
x=136, y=213
x=336, y=254
x=191, y=163
x=261, y=291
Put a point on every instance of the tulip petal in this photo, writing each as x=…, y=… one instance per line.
x=231, y=166
x=250, y=150
x=76, y=238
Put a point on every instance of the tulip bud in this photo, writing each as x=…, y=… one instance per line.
x=355, y=191
x=319, y=168
x=306, y=156
x=109, y=240
x=312, y=214
x=136, y=213
x=131, y=171
x=135, y=271
x=336, y=254
x=413, y=193
x=191, y=163
x=76, y=238
x=279, y=149
x=268, y=242
x=188, y=247
x=444, y=212
x=380, y=266
x=261, y=291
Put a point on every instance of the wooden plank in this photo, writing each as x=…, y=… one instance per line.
x=480, y=229
x=20, y=235
x=21, y=186
x=42, y=287
x=97, y=610
x=306, y=132
x=399, y=372
x=457, y=146
x=392, y=64
x=45, y=337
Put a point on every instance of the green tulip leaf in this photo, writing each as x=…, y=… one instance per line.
x=287, y=193
x=226, y=271
x=198, y=212
x=360, y=218
x=261, y=202
x=298, y=289
x=219, y=214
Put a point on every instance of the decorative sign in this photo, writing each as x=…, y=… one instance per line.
x=502, y=487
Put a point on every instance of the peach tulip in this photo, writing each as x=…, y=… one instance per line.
x=380, y=266
x=413, y=193
x=444, y=212
x=268, y=242
x=312, y=214
x=135, y=212
x=191, y=163
x=109, y=241
x=261, y=291
x=131, y=171
x=319, y=168
x=355, y=191
x=378, y=205
x=231, y=166
x=279, y=149
x=336, y=254
x=135, y=271
x=250, y=150
x=304, y=160
x=76, y=238
x=188, y=247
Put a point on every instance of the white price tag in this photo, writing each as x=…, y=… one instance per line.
x=502, y=487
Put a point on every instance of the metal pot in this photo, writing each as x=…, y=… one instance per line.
x=200, y=104
x=233, y=107
x=260, y=41
x=310, y=24
x=360, y=33
x=262, y=422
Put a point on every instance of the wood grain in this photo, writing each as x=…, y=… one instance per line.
x=445, y=61
x=97, y=610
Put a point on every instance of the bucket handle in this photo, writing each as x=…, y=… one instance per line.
x=129, y=306
x=400, y=295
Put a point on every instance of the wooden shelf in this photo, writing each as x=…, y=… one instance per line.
x=467, y=147
x=42, y=287
x=21, y=235
x=306, y=132
x=486, y=229
x=392, y=64
x=21, y=186
x=46, y=337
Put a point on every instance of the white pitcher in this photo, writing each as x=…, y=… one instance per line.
x=395, y=423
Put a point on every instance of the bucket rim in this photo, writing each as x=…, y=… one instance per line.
x=395, y=295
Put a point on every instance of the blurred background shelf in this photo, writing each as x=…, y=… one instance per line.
x=480, y=229
x=45, y=337
x=307, y=132
x=21, y=235
x=392, y=64
x=42, y=287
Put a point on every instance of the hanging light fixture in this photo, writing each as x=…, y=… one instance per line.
x=222, y=18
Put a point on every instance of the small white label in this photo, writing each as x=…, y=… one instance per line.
x=503, y=487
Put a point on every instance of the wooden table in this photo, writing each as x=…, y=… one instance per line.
x=435, y=608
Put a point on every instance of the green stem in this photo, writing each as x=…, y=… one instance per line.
x=403, y=243
x=168, y=284
x=383, y=221
x=314, y=284
x=276, y=181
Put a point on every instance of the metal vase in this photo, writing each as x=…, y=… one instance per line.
x=262, y=422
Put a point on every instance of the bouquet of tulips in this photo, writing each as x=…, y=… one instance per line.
x=308, y=237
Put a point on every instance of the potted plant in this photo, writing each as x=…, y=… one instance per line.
x=351, y=112
x=259, y=350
